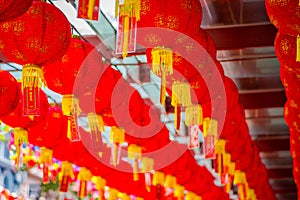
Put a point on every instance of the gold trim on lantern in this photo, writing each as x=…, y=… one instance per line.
x=32, y=76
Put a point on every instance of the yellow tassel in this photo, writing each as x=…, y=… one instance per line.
x=91, y=9
x=175, y=105
x=113, y=194
x=130, y=8
x=170, y=181
x=181, y=91
x=100, y=184
x=147, y=167
x=139, y=198
x=125, y=196
x=179, y=192
x=117, y=8
x=220, y=150
x=67, y=169
x=95, y=122
x=298, y=49
x=45, y=156
x=158, y=178
x=162, y=65
x=117, y=137
x=70, y=105
x=193, y=115
x=135, y=153
x=190, y=196
x=210, y=127
x=125, y=36
x=32, y=76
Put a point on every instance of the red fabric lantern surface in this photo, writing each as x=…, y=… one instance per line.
x=82, y=61
x=286, y=51
x=39, y=36
x=17, y=119
x=50, y=132
x=71, y=75
x=9, y=93
x=181, y=15
x=284, y=15
x=10, y=9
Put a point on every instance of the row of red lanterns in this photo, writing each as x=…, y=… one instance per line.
x=285, y=17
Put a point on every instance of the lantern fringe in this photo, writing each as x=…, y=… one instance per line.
x=95, y=122
x=147, y=167
x=162, y=65
x=125, y=36
x=45, y=159
x=179, y=192
x=32, y=76
x=117, y=137
x=130, y=8
x=182, y=91
x=298, y=49
x=135, y=154
x=193, y=115
x=20, y=137
x=91, y=9
x=83, y=176
x=70, y=108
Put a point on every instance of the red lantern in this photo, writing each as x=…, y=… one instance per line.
x=284, y=15
x=81, y=64
x=10, y=9
x=39, y=36
x=9, y=93
x=21, y=123
x=50, y=131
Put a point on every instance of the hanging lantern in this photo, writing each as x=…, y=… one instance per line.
x=158, y=182
x=84, y=176
x=113, y=194
x=193, y=118
x=135, y=154
x=46, y=161
x=78, y=64
x=210, y=132
x=100, y=184
x=21, y=123
x=10, y=9
x=117, y=137
x=9, y=93
x=183, y=16
x=147, y=167
x=128, y=13
x=39, y=36
x=66, y=174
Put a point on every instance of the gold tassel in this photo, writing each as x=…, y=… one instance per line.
x=175, y=105
x=32, y=81
x=95, y=122
x=170, y=181
x=298, y=49
x=135, y=154
x=117, y=137
x=179, y=192
x=220, y=151
x=190, y=196
x=70, y=108
x=181, y=91
x=210, y=127
x=147, y=167
x=45, y=159
x=193, y=115
x=117, y=8
x=158, y=178
x=125, y=36
x=20, y=137
x=162, y=65
x=113, y=194
x=91, y=9
x=240, y=181
x=100, y=184
x=83, y=176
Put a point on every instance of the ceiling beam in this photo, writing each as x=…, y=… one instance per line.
x=262, y=99
x=242, y=36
